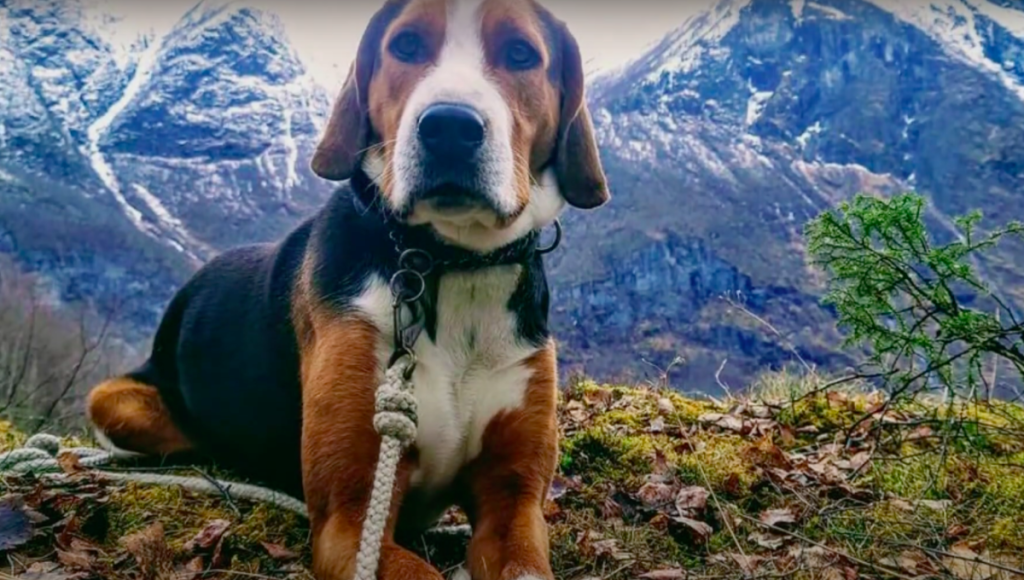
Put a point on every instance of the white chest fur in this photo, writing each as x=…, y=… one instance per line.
x=473, y=370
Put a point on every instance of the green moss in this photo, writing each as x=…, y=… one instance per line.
x=615, y=437
x=599, y=456
x=9, y=436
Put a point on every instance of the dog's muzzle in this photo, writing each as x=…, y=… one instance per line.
x=452, y=138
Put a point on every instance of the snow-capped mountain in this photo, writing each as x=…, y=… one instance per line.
x=127, y=161
x=726, y=137
x=186, y=141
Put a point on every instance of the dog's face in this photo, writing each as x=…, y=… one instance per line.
x=470, y=116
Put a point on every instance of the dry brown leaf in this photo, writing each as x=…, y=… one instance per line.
x=609, y=549
x=552, y=511
x=657, y=425
x=901, y=504
x=838, y=400
x=778, y=517
x=936, y=505
x=192, y=569
x=787, y=436
x=692, y=500
x=922, y=432
x=599, y=398
x=655, y=494
x=747, y=563
x=957, y=531
x=69, y=463
x=673, y=574
x=699, y=532
x=49, y=571
x=732, y=485
x=665, y=406
x=208, y=536
x=767, y=541
x=967, y=564
x=149, y=547
x=577, y=411
x=76, y=560
x=659, y=522
x=858, y=461
x=610, y=509
x=279, y=552
x=660, y=464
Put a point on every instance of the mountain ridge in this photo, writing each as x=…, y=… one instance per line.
x=720, y=141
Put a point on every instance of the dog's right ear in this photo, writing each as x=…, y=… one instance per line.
x=348, y=131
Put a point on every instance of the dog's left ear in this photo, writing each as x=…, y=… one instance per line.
x=348, y=131
x=577, y=163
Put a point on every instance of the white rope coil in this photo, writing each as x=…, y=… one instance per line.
x=39, y=456
x=395, y=420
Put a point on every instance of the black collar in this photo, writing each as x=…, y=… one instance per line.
x=445, y=256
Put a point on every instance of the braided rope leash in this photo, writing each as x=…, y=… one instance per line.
x=395, y=420
x=39, y=456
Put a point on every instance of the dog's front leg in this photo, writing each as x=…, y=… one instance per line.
x=509, y=482
x=339, y=452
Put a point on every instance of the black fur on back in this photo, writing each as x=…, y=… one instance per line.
x=225, y=357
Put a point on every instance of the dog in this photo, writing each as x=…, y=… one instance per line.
x=461, y=132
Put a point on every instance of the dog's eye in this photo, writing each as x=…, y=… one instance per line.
x=408, y=47
x=519, y=55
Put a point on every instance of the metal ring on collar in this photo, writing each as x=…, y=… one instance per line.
x=399, y=291
x=406, y=261
x=556, y=242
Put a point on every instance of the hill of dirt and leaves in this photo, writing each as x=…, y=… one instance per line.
x=910, y=466
x=791, y=480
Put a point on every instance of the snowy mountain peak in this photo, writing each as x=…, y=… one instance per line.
x=983, y=33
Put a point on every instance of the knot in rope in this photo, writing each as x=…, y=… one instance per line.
x=39, y=455
x=396, y=405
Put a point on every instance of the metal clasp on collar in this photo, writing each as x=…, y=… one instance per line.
x=408, y=286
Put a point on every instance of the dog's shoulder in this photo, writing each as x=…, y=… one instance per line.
x=348, y=243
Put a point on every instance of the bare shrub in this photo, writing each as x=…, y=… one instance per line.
x=50, y=353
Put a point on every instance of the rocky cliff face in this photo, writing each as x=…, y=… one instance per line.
x=751, y=119
x=123, y=167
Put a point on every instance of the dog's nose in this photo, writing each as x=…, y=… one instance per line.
x=451, y=132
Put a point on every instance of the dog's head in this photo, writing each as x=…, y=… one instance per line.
x=470, y=116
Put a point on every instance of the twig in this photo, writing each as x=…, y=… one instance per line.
x=786, y=343
x=242, y=574
x=711, y=491
x=841, y=553
x=616, y=571
x=976, y=559
x=223, y=492
x=718, y=378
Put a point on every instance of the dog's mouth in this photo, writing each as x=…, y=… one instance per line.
x=452, y=206
x=451, y=198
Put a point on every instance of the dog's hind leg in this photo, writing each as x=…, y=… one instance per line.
x=131, y=419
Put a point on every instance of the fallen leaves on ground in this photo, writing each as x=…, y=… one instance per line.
x=746, y=510
x=651, y=486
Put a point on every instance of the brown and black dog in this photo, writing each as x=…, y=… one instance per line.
x=462, y=131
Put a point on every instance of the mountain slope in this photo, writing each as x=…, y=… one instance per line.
x=124, y=166
x=743, y=124
x=138, y=162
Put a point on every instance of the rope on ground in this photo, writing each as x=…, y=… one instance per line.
x=395, y=420
x=40, y=455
